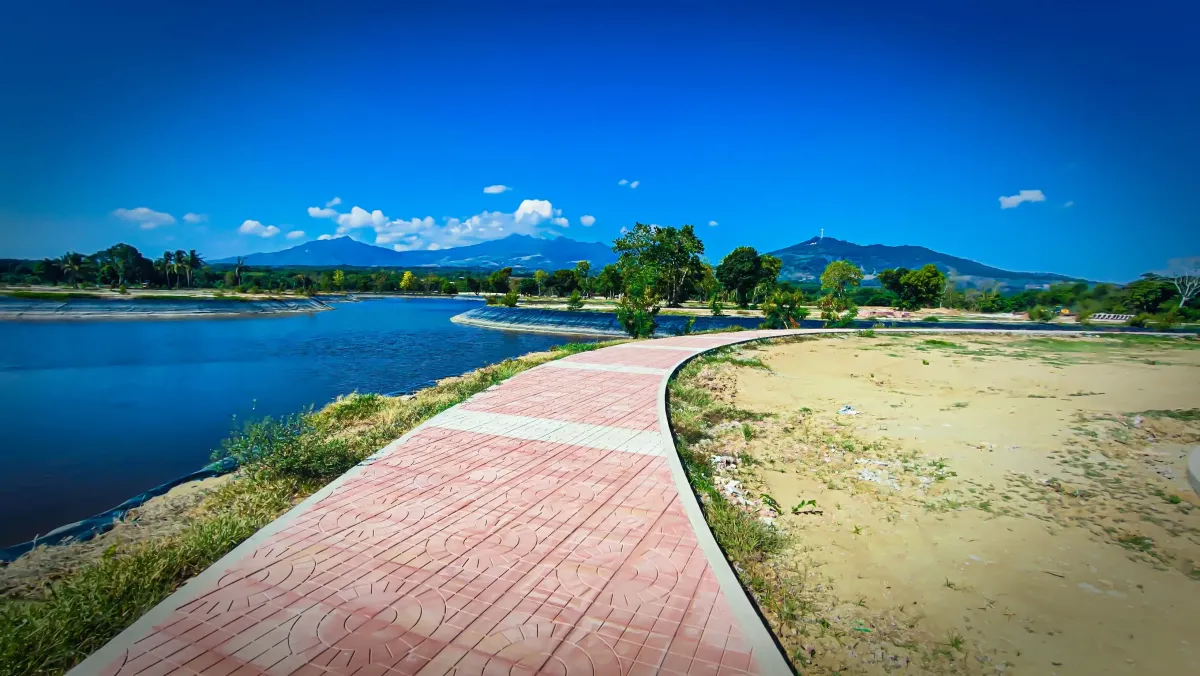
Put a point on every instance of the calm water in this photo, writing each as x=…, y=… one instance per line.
x=95, y=412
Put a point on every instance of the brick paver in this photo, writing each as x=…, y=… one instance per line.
x=536, y=528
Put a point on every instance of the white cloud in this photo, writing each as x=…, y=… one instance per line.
x=359, y=218
x=295, y=234
x=249, y=227
x=712, y=223
x=531, y=217
x=623, y=181
x=146, y=217
x=324, y=237
x=334, y=202
x=587, y=221
x=496, y=189
x=634, y=184
x=1069, y=204
x=189, y=217
x=1022, y=196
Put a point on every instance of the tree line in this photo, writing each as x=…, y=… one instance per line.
x=656, y=267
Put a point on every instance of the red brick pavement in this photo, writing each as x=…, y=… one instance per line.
x=536, y=528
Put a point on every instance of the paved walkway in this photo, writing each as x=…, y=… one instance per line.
x=543, y=526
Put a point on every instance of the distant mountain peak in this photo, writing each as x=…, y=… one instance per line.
x=517, y=251
x=806, y=260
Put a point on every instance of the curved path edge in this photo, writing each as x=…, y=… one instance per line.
x=662, y=358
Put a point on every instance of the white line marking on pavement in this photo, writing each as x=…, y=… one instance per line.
x=604, y=437
x=643, y=346
x=618, y=368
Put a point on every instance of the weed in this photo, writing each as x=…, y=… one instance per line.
x=747, y=431
x=955, y=640
x=925, y=362
x=771, y=502
x=800, y=508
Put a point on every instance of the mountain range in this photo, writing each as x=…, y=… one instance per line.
x=515, y=251
x=805, y=261
x=801, y=262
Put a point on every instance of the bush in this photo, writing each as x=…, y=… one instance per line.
x=509, y=299
x=1167, y=320
x=575, y=301
x=491, y=300
x=932, y=318
x=715, y=306
x=449, y=288
x=1040, y=314
x=783, y=310
x=123, y=290
x=1141, y=319
x=636, y=313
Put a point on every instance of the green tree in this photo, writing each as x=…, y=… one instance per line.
x=539, y=278
x=840, y=276
x=166, y=263
x=667, y=257
x=194, y=262
x=609, y=281
x=72, y=266
x=714, y=304
x=575, y=301
x=783, y=310
x=407, y=281
x=914, y=288
x=498, y=280
x=339, y=280
x=739, y=272
x=509, y=299
x=582, y=270
x=449, y=288
x=180, y=266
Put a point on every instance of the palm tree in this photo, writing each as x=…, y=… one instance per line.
x=238, y=268
x=180, y=264
x=165, y=264
x=71, y=265
x=194, y=262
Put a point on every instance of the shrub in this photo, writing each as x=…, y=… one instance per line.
x=491, y=300
x=509, y=299
x=1040, y=314
x=575, y=301
x=636, y=313
x=1140, y=319
x=123, y=289
x=783, y=310
x=715, y=306
x=1167, y=320
x=932, y=318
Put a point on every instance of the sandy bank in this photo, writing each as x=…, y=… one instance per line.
x=150, y=307
x=998, y=504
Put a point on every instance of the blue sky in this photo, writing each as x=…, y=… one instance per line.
x=881, y=122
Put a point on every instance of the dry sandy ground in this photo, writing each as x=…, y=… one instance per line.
x=997, y=505
x=161, y=516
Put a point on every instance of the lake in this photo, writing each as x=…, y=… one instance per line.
x=97, y=411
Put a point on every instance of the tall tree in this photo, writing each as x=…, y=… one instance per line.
x=71, y=265
x=1184, y=273
x=539, y=278
x=166, y=264
x=670, y=256
x=406, y=281
x=181, y=264
x=194, y=262
x=739, y=272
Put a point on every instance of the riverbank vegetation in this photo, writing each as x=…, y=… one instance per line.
x=52, y=628
x=657, y=268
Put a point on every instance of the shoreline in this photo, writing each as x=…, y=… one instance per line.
x=88, y=307
x=588, y=323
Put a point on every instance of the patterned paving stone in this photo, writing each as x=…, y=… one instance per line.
x=537, y=528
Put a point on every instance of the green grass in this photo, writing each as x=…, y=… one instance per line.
x=1108, y=343
x=1184, y=414
x=942, y=344
x=284, y=460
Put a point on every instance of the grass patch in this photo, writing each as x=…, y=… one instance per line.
x=284, y=461
x=941, y=344
x=1184, y=414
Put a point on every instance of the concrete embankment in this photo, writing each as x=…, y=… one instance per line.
x=99, y=307
x=605, y=323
